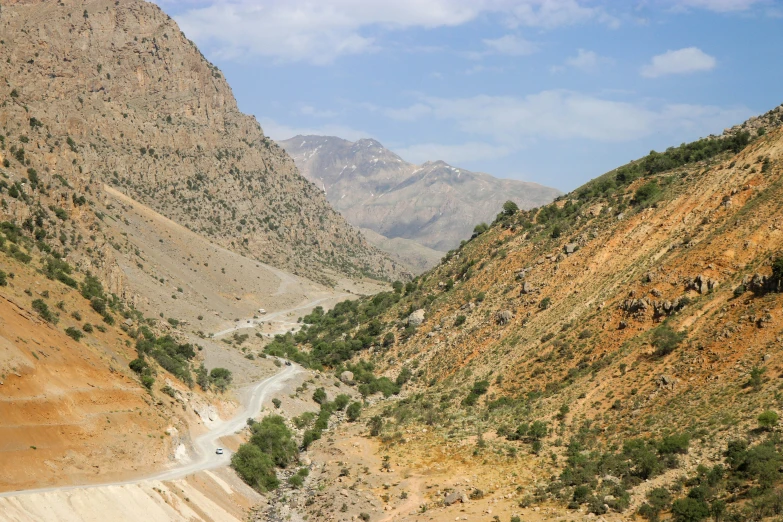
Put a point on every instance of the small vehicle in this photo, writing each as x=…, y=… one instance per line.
x=219, y=451
x=261, y=311
x=288, y=363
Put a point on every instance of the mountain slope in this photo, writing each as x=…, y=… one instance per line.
x=580, y=355
x=113, y=91
x=434, y=204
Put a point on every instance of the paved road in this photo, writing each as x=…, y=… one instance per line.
x=204, y=445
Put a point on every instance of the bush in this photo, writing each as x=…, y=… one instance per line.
x=673, y=444
x=296, y=481
x=665, y=340
x=220, y=378
x=768, y=420
x=319, y=396
x=545, y=303
x=138, y=365
x=460, y=320
x=87, y=327
x=276, y=402
x=273, y=438
x=354, y=411
x=43, y=310
x=689, y=510
x=255, y=467
x=341, y=401
x=74, y=333
x=3, y=278
x=647, y=194
x=376, y=425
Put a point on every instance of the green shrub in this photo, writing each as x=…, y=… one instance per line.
x=273, y=438
x=460, y=320
x=43, y=310
x=768, y=420
x=665, y=340
x=689, y=510
x=319, y=396
x=296, y=481
x=276, y=402
x=221, y=378
x=74, y=333
x=354, y=411
x=647, y=194
x=341, y=401
x=255, y=467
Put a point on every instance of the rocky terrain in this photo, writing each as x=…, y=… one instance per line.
x=434, y=204
x=102, y=92
x=111, y=288
x=615, y=354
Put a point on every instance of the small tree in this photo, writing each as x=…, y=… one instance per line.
x=510, y=208
x=768, y=420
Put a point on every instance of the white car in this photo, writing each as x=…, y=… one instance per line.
x=219, y=451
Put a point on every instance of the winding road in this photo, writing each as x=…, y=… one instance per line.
x=268, y=318
x=205, y=444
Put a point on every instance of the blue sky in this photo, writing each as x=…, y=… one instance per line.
x=552, y=91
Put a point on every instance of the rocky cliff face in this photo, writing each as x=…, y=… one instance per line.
x=434, y=204
x=98, y=91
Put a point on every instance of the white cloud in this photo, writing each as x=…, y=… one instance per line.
x=687, y=60
x=720, y=6
x=453, y=154
x=563, y=115
x=309, y=110
x=586, y=61
x=412, y=113
x=556, y=13
x=278, y=131
x=321, y=31
x=510, y=45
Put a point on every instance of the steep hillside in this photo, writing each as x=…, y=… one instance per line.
x=599, y=354
x=104, y=91
x=434, y=204
x=408, y=252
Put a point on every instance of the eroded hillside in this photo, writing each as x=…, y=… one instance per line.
x=103, y=91
x=596, y=355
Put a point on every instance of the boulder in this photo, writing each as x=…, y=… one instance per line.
x=347, y=377
x=452, y=498
x=504, y=316
x=570, y=248
x=666, y=382
x=416, y=318
x=527, y=288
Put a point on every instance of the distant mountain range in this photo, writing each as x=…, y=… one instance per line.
x=434, y=204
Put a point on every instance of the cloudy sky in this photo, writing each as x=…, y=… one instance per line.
x=552, y=91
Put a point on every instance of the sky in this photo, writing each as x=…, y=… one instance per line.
x=551, y=91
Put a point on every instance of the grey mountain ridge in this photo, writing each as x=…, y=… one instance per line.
x=434, y=204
